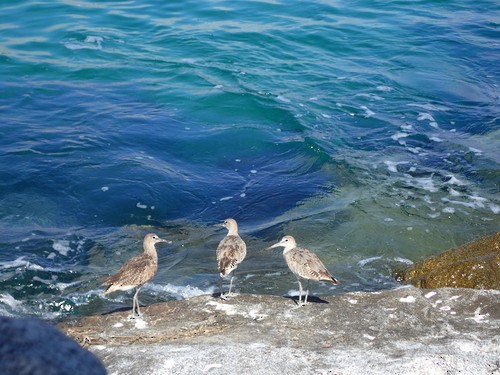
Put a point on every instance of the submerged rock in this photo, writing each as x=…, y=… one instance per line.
x=33, y=347
x=403, y=331
x=473, y=265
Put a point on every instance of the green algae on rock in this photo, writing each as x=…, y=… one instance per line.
x=473, y=265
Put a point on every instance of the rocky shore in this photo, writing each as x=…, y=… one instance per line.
x=473, y=265
x=402, y=331
x=448, y=329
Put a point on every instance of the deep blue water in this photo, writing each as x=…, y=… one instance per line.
x=369, y=130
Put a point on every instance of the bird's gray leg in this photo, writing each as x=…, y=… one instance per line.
x=300, y=292
x=221, y=282
x=230, y=285
x=228, y=294
x=135, y=304
x=307, y=292
x=231, y=282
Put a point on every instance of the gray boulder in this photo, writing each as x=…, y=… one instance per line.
x=33, y=347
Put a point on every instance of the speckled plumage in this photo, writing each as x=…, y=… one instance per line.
x=303, y=263
x=307, y=265
x=137, y=271
x=231, y=250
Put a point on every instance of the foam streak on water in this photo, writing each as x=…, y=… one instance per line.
x=367, y=130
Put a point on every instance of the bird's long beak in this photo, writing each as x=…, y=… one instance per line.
x=166, y=241
x=275, y=245
x=219, y=225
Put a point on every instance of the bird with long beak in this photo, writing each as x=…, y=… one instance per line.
x=137, y=271
x=304, y=264
x=230, y=252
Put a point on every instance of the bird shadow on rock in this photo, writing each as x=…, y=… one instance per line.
x=120, y=309
x=310, y=299
x=216, y=295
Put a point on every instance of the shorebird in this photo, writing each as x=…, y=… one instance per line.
x=230, y=252
x=137, y=271
x=304, y=264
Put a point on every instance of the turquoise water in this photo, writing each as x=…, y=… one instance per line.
x=368, y=130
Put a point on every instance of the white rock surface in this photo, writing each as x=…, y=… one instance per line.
x=403, y=331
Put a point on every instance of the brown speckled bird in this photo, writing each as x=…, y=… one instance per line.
x=303, y=263
x=137, y=271
x=230, y=252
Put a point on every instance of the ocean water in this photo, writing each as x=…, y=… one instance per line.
x=369, y=130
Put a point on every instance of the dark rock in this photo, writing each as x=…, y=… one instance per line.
x=473, y=265
x=403, y=331
x=33, y=347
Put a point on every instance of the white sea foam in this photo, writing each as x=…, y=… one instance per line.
x=454, y=181
x=392, y=165
x=364, y=262
x=415, y=150
x=494, y=208
x=425, y=183
x=90, y=42
x=384, y=88
x=62, y=247
x=10, y=301
x=180, y=291
x=403, y=260
x=430, y=107
x=19, y=262
x=43, y=281
x=475, y=150
x=368, y=112
x=140, y=205
x=428, y=199
x=425, y=116
x=62, y=286
x=474, y=202
x=398, y=135
x=283, y=99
